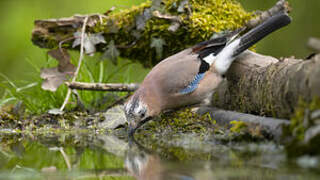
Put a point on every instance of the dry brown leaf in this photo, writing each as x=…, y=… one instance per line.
x=63, y=57
x=54, y=77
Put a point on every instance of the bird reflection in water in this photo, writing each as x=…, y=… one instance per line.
x=142, y=164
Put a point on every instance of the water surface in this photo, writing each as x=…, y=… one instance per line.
x=181, y=157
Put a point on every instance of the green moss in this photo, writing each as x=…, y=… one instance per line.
x=207, y=18
x=215, y=16
x=299, y=124
x=70, y=123
x=237, y=126
x=182, y=121
x=297, y=127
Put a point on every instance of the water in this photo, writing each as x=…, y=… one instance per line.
x=178, y=157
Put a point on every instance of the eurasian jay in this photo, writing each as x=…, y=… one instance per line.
x=191, y=76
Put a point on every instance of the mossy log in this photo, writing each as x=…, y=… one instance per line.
x=264, y=85
x=272, y=128
x=178, y=24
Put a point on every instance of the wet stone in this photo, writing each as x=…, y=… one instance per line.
x=315, y=114
x=312, y=133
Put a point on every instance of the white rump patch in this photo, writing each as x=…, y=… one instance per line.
x=225, y=58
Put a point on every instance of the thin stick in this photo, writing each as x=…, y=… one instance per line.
x=66, y=158
x=120, y=87
x=280, y=6
x=63, y=41
x=79, y=63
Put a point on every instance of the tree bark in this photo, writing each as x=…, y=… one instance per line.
x=272, y=128
x=264, y=85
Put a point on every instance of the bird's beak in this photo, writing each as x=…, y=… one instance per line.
x=131, y=131
x=133, y=126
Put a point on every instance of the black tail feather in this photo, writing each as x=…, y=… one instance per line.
x=254, y=35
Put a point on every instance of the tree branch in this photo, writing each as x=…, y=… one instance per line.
x=280, y=6
x=264, y=85
x=103, y=87
x=270, y=126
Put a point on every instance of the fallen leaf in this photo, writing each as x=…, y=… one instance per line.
x=143, y=18
x=63, y=57
x=111, y=53
x=89, y=41
x=182, y=5
x=158, y=44
x=97, y=38
x=54, y=77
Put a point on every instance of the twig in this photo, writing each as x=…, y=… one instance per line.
x=280, y=6
x=60, y=46
x=79, y=63
x=314, y=44
x=79, y=101
x=176, y=20
x=166, y=16
x=63, y=41
x=126, y=46
x=66, y=158
x=103, y=87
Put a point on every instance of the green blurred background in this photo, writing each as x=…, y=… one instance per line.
x=17, y=18
x=21, y=61
x=292, y=40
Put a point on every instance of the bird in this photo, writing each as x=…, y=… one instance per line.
x=145, y=164
x=191, y=76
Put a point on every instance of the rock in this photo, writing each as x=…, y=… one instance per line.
x=308, y=162
x=55, y=111
x=315, y=114
x=114, y=117
x=50, y=169
x=312, y=133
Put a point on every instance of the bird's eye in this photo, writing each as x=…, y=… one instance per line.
x=142, y=113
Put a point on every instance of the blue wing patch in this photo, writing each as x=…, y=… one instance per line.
x=193, y=85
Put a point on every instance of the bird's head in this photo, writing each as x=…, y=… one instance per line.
x=137, y=113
